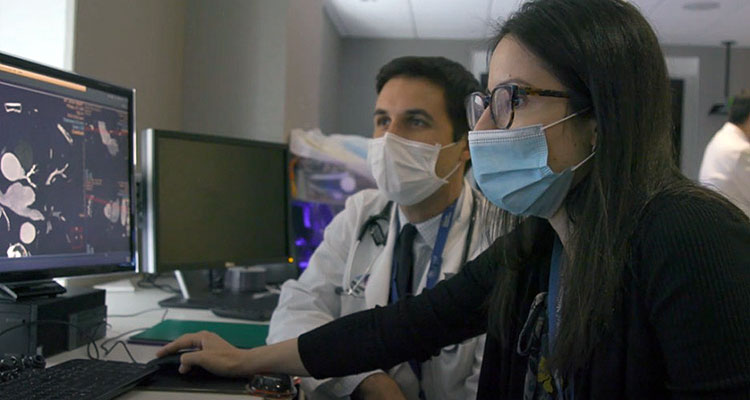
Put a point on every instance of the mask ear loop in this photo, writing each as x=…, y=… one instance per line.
x=593, y=151
x=445, y=178
x=560, y=121
x=575, y=114
x=458, y=164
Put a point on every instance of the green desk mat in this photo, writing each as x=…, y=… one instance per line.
x=245, y=336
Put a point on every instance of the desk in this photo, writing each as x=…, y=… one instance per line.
x=119, y=303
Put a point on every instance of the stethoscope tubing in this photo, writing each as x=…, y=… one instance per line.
x=351, y=288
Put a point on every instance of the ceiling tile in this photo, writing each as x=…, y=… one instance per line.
x=466, y=19
x=676, y=25
x=375, y=18
x=500, y=10
x=732, y=27
x=475, y=19
x=647, y=6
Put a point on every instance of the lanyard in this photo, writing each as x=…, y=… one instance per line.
x=433, y=273
x=436, y=260
x=553, y=300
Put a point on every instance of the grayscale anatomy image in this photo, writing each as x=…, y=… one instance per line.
x=63, y=175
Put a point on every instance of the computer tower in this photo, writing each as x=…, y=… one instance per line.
x=51, y=325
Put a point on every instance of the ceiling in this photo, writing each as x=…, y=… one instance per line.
x=675, y=21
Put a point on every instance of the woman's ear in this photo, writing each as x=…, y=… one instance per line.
x=593, y=138
x=594, y=132
x=464, y=143
x=465, y=154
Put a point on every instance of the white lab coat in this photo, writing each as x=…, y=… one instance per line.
x=312, y=300
x=726, y=165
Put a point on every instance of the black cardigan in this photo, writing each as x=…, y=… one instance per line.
x=682, y=330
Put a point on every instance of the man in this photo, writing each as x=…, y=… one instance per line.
x=726, y=162
x=418, y=227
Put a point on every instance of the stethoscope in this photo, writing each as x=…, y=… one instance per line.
x=355, y=287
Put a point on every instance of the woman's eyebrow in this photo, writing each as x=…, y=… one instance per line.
x=517, y=81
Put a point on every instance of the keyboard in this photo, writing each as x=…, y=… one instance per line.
x=258, y=309
x=76, y=379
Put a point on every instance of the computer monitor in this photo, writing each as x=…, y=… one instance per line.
x=211, y=202
x=66, y=177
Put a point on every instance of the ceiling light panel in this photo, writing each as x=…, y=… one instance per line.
x=374, y=19
x=451, y=19
x=677, y=25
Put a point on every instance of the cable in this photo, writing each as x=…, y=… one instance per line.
x=149, y=281
x=135, y=314
x=103, y=343
x=117, y=341
x=125, y=346
x=60, y=322
x=89, y=332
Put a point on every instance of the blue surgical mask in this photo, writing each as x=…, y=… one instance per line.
x=510, y=166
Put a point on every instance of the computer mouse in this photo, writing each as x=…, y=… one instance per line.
x=171, y=363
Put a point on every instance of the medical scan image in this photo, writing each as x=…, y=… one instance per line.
x=63, y=174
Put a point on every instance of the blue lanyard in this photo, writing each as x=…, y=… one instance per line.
x=553, y=299
x=433, y=274
x=436, y=261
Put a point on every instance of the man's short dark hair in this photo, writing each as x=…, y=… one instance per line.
x=456, y=81
x=740, y=110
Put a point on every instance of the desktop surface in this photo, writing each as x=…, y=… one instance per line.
x=127, y=303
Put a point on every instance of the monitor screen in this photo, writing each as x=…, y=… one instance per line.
x=212, y=201
x=65, y=174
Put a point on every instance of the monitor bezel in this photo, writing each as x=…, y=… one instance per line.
x=96, y=269
x=149, y=159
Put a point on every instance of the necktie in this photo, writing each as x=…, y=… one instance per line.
x=404, y=256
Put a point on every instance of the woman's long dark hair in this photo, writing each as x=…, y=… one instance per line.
x=605, y=54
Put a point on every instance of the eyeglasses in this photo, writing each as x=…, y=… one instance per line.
x=503, y=102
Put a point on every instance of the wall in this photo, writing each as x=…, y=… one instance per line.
x=139, y=44
x=711, y=90
x=235, y=68
x=362, y=58
x=216, y=66
x=304, y=65
x=330, y=77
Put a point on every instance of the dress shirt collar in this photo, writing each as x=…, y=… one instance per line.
x=428, y=229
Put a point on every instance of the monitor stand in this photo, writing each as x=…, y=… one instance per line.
x=195, y=292
x=11, y=292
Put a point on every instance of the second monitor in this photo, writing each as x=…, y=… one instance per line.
x=211, y=202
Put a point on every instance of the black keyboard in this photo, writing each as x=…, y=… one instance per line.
x=258, y=309
x=76, y=379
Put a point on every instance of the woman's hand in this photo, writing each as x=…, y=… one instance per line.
x=212, y=353
x=215, y=355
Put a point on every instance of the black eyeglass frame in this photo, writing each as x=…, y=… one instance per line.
x=515, y=91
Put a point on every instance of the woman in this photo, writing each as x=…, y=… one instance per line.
x=621, y=278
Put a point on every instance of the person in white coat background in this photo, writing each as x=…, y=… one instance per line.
x=418, y=227
x=726, y=161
